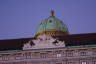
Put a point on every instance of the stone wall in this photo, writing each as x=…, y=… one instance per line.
x=81, y=55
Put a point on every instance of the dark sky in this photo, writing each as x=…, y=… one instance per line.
x=20, y=18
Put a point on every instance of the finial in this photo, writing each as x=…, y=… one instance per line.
x=52, y=12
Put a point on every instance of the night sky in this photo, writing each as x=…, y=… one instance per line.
x=21, y=18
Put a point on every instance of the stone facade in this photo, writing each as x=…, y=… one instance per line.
x=50, y=45
x=67, y=55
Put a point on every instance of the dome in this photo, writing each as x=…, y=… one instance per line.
x=52, y=26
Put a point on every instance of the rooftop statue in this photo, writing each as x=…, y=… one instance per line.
x=43, y=41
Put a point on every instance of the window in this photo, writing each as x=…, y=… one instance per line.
x=35, y=54
x=83, y=62
x=94, y=62
x=83, y=53
x=58, y=63
x=43, y=55
x=58, y=55
x=5, y=57
x=94, y=52
x=70, y=62
x=50, y=21
x=17, y=56
x=0, y=57
x=69, y=53
x=27, y=55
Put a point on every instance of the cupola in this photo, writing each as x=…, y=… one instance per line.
x=52, y=26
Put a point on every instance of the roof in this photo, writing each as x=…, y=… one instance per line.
x=52, y=23
x=70, y=40
x=84, y=46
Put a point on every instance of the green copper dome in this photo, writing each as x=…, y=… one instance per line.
x=52, y=25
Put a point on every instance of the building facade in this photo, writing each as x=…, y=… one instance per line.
x=67, y=55
x=48, y=46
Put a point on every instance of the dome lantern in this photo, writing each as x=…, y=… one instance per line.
x=52, y=12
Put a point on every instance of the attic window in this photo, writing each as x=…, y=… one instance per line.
x=50, y=21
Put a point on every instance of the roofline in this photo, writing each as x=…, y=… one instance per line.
x=84, y=46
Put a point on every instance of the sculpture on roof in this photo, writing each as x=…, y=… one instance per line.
x=44, y=41
x=50, y=27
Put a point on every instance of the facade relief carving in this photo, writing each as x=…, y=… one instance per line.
x=44, y=41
